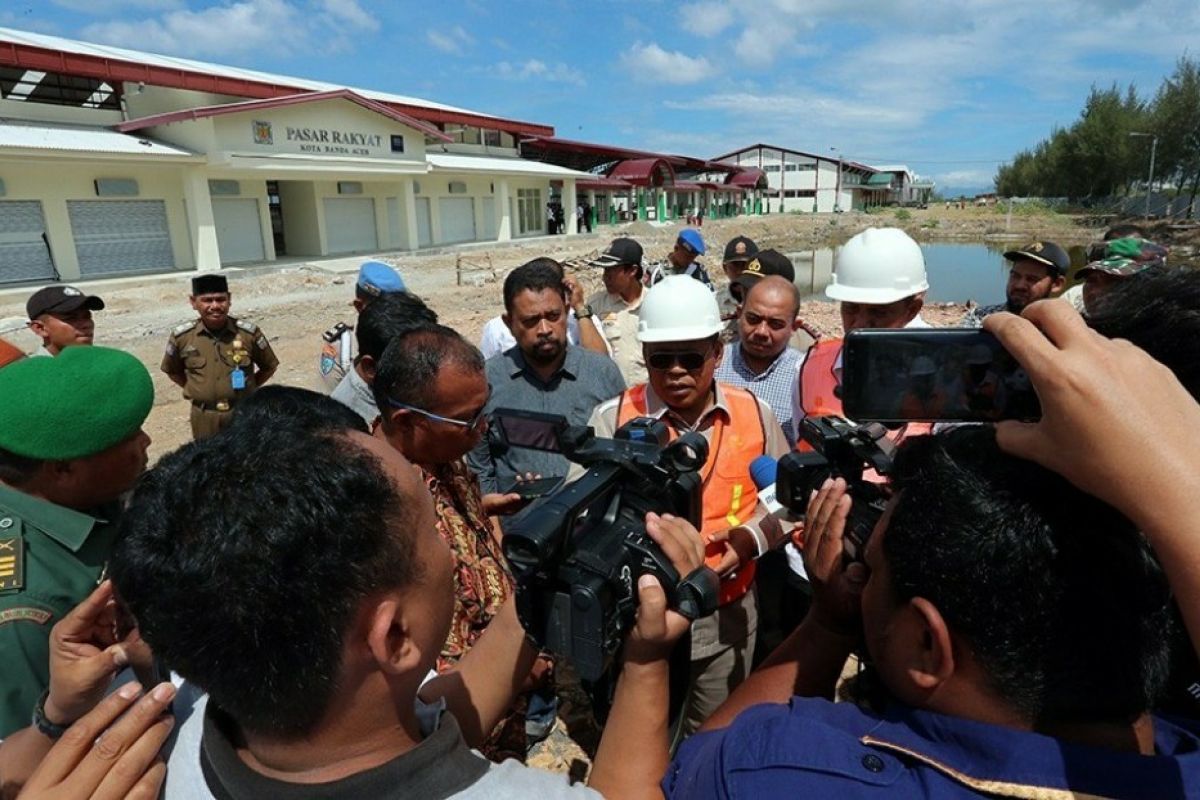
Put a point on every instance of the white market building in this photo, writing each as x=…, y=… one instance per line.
x=116, y=162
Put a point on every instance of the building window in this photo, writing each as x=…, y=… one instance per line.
x=771, y=168
x=530, y=214
x=491, y=138
x=397, y=144
x=52, y=88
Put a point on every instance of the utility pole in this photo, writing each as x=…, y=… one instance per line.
x=1150, y=177
x=837, y=190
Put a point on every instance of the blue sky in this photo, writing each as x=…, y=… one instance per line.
x=950, y=88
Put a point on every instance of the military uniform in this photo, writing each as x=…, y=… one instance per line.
x=337, y=354
x=51, y=558
x=219, y=368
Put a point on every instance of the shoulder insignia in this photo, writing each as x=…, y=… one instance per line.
x=39, y=615
x=248, y=327
x=179, y=330
x=12, y=563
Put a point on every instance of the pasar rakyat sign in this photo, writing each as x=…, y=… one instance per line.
x=323, y=140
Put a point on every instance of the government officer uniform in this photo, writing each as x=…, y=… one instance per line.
x=68, y=408
x=218, y=368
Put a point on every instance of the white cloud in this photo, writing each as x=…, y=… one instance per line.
x=247, y=27
x=539, y=70
x=706, y=18
x=652, y=64
x=453, y=41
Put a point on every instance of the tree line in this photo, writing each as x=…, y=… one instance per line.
x=1096, y=157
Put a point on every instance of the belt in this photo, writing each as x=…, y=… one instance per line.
x=220, y=405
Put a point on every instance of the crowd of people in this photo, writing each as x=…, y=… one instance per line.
x=312, y=598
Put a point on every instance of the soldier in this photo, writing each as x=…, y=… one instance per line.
x=337, y=346
x=217, y=359
x=71, y=443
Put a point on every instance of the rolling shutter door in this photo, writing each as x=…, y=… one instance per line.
x=458, y=219
x=424, y=223
x=239, y=229
x=350, y=224
x=491, y=225
x=23, y=252
x=121, y=236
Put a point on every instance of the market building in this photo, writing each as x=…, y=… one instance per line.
x=115, y=162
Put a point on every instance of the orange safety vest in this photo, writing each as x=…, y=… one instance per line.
x=819, y=397
x=729, y=497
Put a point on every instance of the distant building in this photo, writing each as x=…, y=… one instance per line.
x=900, y=185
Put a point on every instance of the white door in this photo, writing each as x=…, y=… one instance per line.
x=350, y=224
x=120, y=236
x=424, y=223
x=458, y=219
x=24, y=254
x=239, y=229
x=491, y=225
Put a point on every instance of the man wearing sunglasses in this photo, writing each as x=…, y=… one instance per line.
x=432, y=393
x=679, y=330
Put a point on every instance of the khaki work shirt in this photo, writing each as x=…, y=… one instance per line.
x=207, y=359
x=618, y=322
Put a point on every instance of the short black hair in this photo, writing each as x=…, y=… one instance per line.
x=245, y=558
x=411, y=362
x=386, y=317
x=1056, y=593
x=535, y=276
x=297, y=407
x=1123, y=231
x=1158, y=310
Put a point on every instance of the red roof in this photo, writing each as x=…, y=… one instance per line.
x=747, y=178
x=281, y=102
x=643, y=171
x=602, y=183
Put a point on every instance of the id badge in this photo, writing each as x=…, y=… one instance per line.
x=238, y=378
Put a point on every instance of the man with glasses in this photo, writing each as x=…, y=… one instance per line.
x=682, y=260
x=679, y=330
x=542, y=373
x=432, y=393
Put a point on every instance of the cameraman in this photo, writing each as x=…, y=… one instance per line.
x=1018, y=628
x=311, y=622
x=679, y=330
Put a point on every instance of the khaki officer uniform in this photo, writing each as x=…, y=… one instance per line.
x=208, y=359
x=51, y=557
x=619, y=324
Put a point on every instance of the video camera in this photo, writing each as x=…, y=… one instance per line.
x=578, y=552
x=840, y=449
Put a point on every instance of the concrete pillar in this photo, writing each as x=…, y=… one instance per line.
x=503, y=212
x=409, y=197
x=592, y=207
x=206, y=255
x=570, y=203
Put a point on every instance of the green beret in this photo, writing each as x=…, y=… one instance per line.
x=76, y=404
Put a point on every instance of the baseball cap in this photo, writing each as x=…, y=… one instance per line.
x=1129, y=256
x=376, y=278
x=60, y=299
x=1046, y=253
x=767, y=262
x=740, y=248
x=693, y=240
x=619, y=252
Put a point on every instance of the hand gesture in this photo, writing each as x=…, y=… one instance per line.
x=658, y=628
x=738, y=548
x=574, y=291
x=837, y=585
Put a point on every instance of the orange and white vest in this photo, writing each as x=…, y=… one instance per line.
x=729, y=496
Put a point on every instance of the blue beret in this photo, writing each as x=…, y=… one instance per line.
x=693, y=239
x=376, y=278
x=73, y=405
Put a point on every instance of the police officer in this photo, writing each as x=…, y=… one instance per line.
x=337, y=344
x=71, y=443
x=217, y=359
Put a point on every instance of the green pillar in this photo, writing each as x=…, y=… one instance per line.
x=662, y=206
x=641, y=210
x=594, y=215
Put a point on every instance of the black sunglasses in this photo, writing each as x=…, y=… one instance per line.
x=691, y=360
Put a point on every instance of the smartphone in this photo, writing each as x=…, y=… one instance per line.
x=933, y=375
x=532, y=429
x=531, y=490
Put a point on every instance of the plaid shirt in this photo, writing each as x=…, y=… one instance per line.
x=775, y=386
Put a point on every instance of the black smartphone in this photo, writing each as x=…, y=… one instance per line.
x=532, y=429
x=933, y=375
x=531, y=490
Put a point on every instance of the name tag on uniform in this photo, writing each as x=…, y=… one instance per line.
x=238, y=379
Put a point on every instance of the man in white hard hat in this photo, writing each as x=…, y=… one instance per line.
x=679, y=329
x=879, y=279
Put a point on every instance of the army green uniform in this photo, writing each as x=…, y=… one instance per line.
x=208, y=360
x=51, y=558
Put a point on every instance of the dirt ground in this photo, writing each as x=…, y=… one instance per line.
x=293, y=304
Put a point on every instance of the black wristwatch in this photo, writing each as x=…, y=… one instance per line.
x=584, y=313
x=45, y=727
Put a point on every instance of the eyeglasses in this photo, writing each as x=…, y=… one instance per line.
x=470, y=425
x=689, y=360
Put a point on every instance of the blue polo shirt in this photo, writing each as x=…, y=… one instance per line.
x=815, y=748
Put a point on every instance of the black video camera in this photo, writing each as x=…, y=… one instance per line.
x=578, y=552
x=844, y=450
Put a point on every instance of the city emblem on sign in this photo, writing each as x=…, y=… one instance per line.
x=262, y=133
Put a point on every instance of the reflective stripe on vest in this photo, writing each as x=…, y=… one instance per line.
x=729, y=497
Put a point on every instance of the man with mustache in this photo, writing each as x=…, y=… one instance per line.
x=1038, y=271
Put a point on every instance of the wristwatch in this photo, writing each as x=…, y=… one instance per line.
x=45, y=727
x=583, y=313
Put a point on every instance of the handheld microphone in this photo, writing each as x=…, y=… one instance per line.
x=777, y=525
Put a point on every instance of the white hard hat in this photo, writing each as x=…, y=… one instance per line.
x=678, y=308
x=878, y=266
